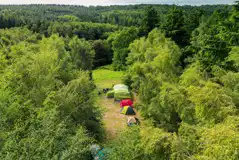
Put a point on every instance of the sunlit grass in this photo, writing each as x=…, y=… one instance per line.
x=105, y=78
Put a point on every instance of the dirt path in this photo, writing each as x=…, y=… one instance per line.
x=113, y=121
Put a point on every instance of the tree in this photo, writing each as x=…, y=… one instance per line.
x=103, y=53
x=153, y=63
x=120, y=44
x=151, y=19
x=42, y=117
x=81, y=53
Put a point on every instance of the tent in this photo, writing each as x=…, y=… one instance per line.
x=122, y=94
x=119, y=92
x=120, y=87
x=126, y=102
x=127, y=110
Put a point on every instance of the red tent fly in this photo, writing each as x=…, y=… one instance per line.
x=126, y=102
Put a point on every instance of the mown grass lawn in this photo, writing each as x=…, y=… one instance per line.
x=105, y=78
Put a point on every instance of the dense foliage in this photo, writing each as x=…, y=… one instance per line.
x=200, y=102
x=181, y=61
x=47, y=104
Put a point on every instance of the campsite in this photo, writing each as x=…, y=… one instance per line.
x=114, y=121
x=119, y=80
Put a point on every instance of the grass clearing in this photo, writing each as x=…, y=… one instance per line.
x=114, y=122
x=105, y=78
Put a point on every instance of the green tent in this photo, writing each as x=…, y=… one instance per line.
x=119, y=92
x=120, y=87
x=122, y=94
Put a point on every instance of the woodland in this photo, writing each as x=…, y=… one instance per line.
x=181, y=61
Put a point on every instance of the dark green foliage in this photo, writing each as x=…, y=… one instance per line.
x=151, y=19
x=103, y=53
x=120, y=43
x=89, y=31
x=215, y=37
x=174, y=27
x=39, y=17
x=122, y=17
x=82, y=53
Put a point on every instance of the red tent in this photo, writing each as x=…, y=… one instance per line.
x=126, y=102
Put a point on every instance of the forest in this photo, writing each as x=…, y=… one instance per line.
x=182, y=62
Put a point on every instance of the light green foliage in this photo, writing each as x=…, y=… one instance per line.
x=155, y=143
x=48, y=108
x=68, y=18
x=193, y=75
x=234, y=57
x=230, y=82
x=147, y=143
x=186, y=143
x=155, y=54
x=212, y=104
x=34, y=75
x=159, y=56
x=199, y=103
x=81, y=53
x=187, y=94
x=127, y=146
x=13, y=43
x=77, y=101
x=220, y=142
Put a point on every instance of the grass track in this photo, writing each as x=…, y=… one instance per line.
x=113, y=121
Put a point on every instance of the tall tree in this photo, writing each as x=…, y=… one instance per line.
x=103, y=53
x=174, y=27
x=81, y=53
x=151, y=19
x=120, y=44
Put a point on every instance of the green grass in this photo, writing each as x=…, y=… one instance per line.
x=105, y=78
